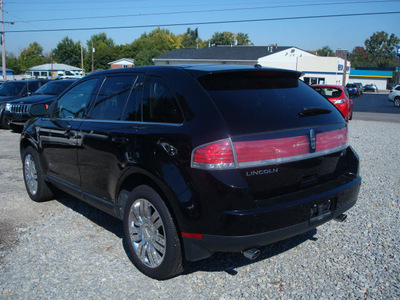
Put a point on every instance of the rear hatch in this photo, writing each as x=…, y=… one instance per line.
x=284, y=136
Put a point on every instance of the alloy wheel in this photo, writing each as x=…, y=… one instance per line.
x=31, y=178
x=147, y=233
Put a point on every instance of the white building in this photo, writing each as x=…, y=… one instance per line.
x=316, y=69
x=53, y=71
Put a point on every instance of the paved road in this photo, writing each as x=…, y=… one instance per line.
x=375, y=107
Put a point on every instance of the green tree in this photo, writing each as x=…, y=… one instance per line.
x=382, y=48
x=68, y=52
x=12, y=63
x=243, y=39
x=104, y=52
x=325, y=51
x=229, y=38
x=359, y=57
x=222, y=38
x=31, y=56
x=153, y=44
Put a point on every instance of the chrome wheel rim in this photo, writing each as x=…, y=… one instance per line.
x=30, y=174
x=397, y=102
x=147, y=233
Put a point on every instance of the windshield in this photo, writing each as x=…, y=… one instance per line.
x=53, y=88
x=328, y=92
x=11, y=88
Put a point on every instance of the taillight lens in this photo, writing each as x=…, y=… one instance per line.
x=340, y=101
x=272, y=149
x=217, y=155
x=220, y=155
x=332, y=139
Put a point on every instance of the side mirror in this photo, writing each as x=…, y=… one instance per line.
x=38, y=110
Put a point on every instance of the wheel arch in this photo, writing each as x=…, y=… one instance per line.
x=136, y=179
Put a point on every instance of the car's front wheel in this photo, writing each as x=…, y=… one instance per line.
x=397, y=101
x=151, y=235
x=37, y=188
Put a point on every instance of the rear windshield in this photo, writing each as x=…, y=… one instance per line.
x=329, y=92
x=262, y=101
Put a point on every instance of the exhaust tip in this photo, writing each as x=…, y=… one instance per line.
x=252, y=253
x=341, y=218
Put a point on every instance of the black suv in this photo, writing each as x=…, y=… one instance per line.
x=11, y=90
x=17, y=111
x=194, y=159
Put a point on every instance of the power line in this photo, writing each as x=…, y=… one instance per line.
x=209, y=23
x=169, y=6
x=206, y=11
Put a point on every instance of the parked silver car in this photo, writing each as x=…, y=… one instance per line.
x=394, y=95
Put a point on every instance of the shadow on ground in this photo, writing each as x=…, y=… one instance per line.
x=219, y=262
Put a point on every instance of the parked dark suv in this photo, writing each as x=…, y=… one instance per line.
x=195, y=159
x=11, y=90
x=17, y=111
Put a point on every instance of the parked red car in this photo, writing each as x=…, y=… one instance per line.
x=339, y=96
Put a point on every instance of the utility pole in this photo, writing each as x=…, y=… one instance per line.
x=343, y=54
x=93, y=50
x=83, y=74
x=3, y=46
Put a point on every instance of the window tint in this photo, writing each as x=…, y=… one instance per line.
x=132, y=110
x=33, y=86
x=73, y=103
x=248, y=110
x=112, y=98
x=159, y=103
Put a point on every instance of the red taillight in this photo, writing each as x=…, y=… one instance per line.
x=331, y=139
x=220, y=155
x=271, y=149
x=47, y=106
x=192, y=235
x=216, y=155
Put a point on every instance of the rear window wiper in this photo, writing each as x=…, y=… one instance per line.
x=312, y=111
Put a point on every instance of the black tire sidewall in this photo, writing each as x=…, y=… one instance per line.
x=43, y=192
x=172, y=263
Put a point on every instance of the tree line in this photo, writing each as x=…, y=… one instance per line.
x=379, y=50
x=142, y=50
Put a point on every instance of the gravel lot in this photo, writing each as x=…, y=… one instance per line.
x=64, y=249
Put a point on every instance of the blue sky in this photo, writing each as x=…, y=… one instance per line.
x=294, y=30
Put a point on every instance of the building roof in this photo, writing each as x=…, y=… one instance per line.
x=237, y=53
x=54, y=67
x=122, y=61
x=371, y=73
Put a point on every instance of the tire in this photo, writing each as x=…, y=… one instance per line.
x=397, y=101
x=16, y=128
x=37, y=188
x=151, y=235
x=3, y=122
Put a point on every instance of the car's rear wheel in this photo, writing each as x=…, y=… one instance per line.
x=37, y=188
x=151, y=235
x=397, y=101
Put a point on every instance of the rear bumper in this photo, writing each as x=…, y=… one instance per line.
x=341, y=198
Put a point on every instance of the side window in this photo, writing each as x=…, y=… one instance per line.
x=73, y=103
x=132, y=110
x=159, y=103
x=111, y=100
x=33, y=86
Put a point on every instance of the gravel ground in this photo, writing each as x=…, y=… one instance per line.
x=65, y=249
